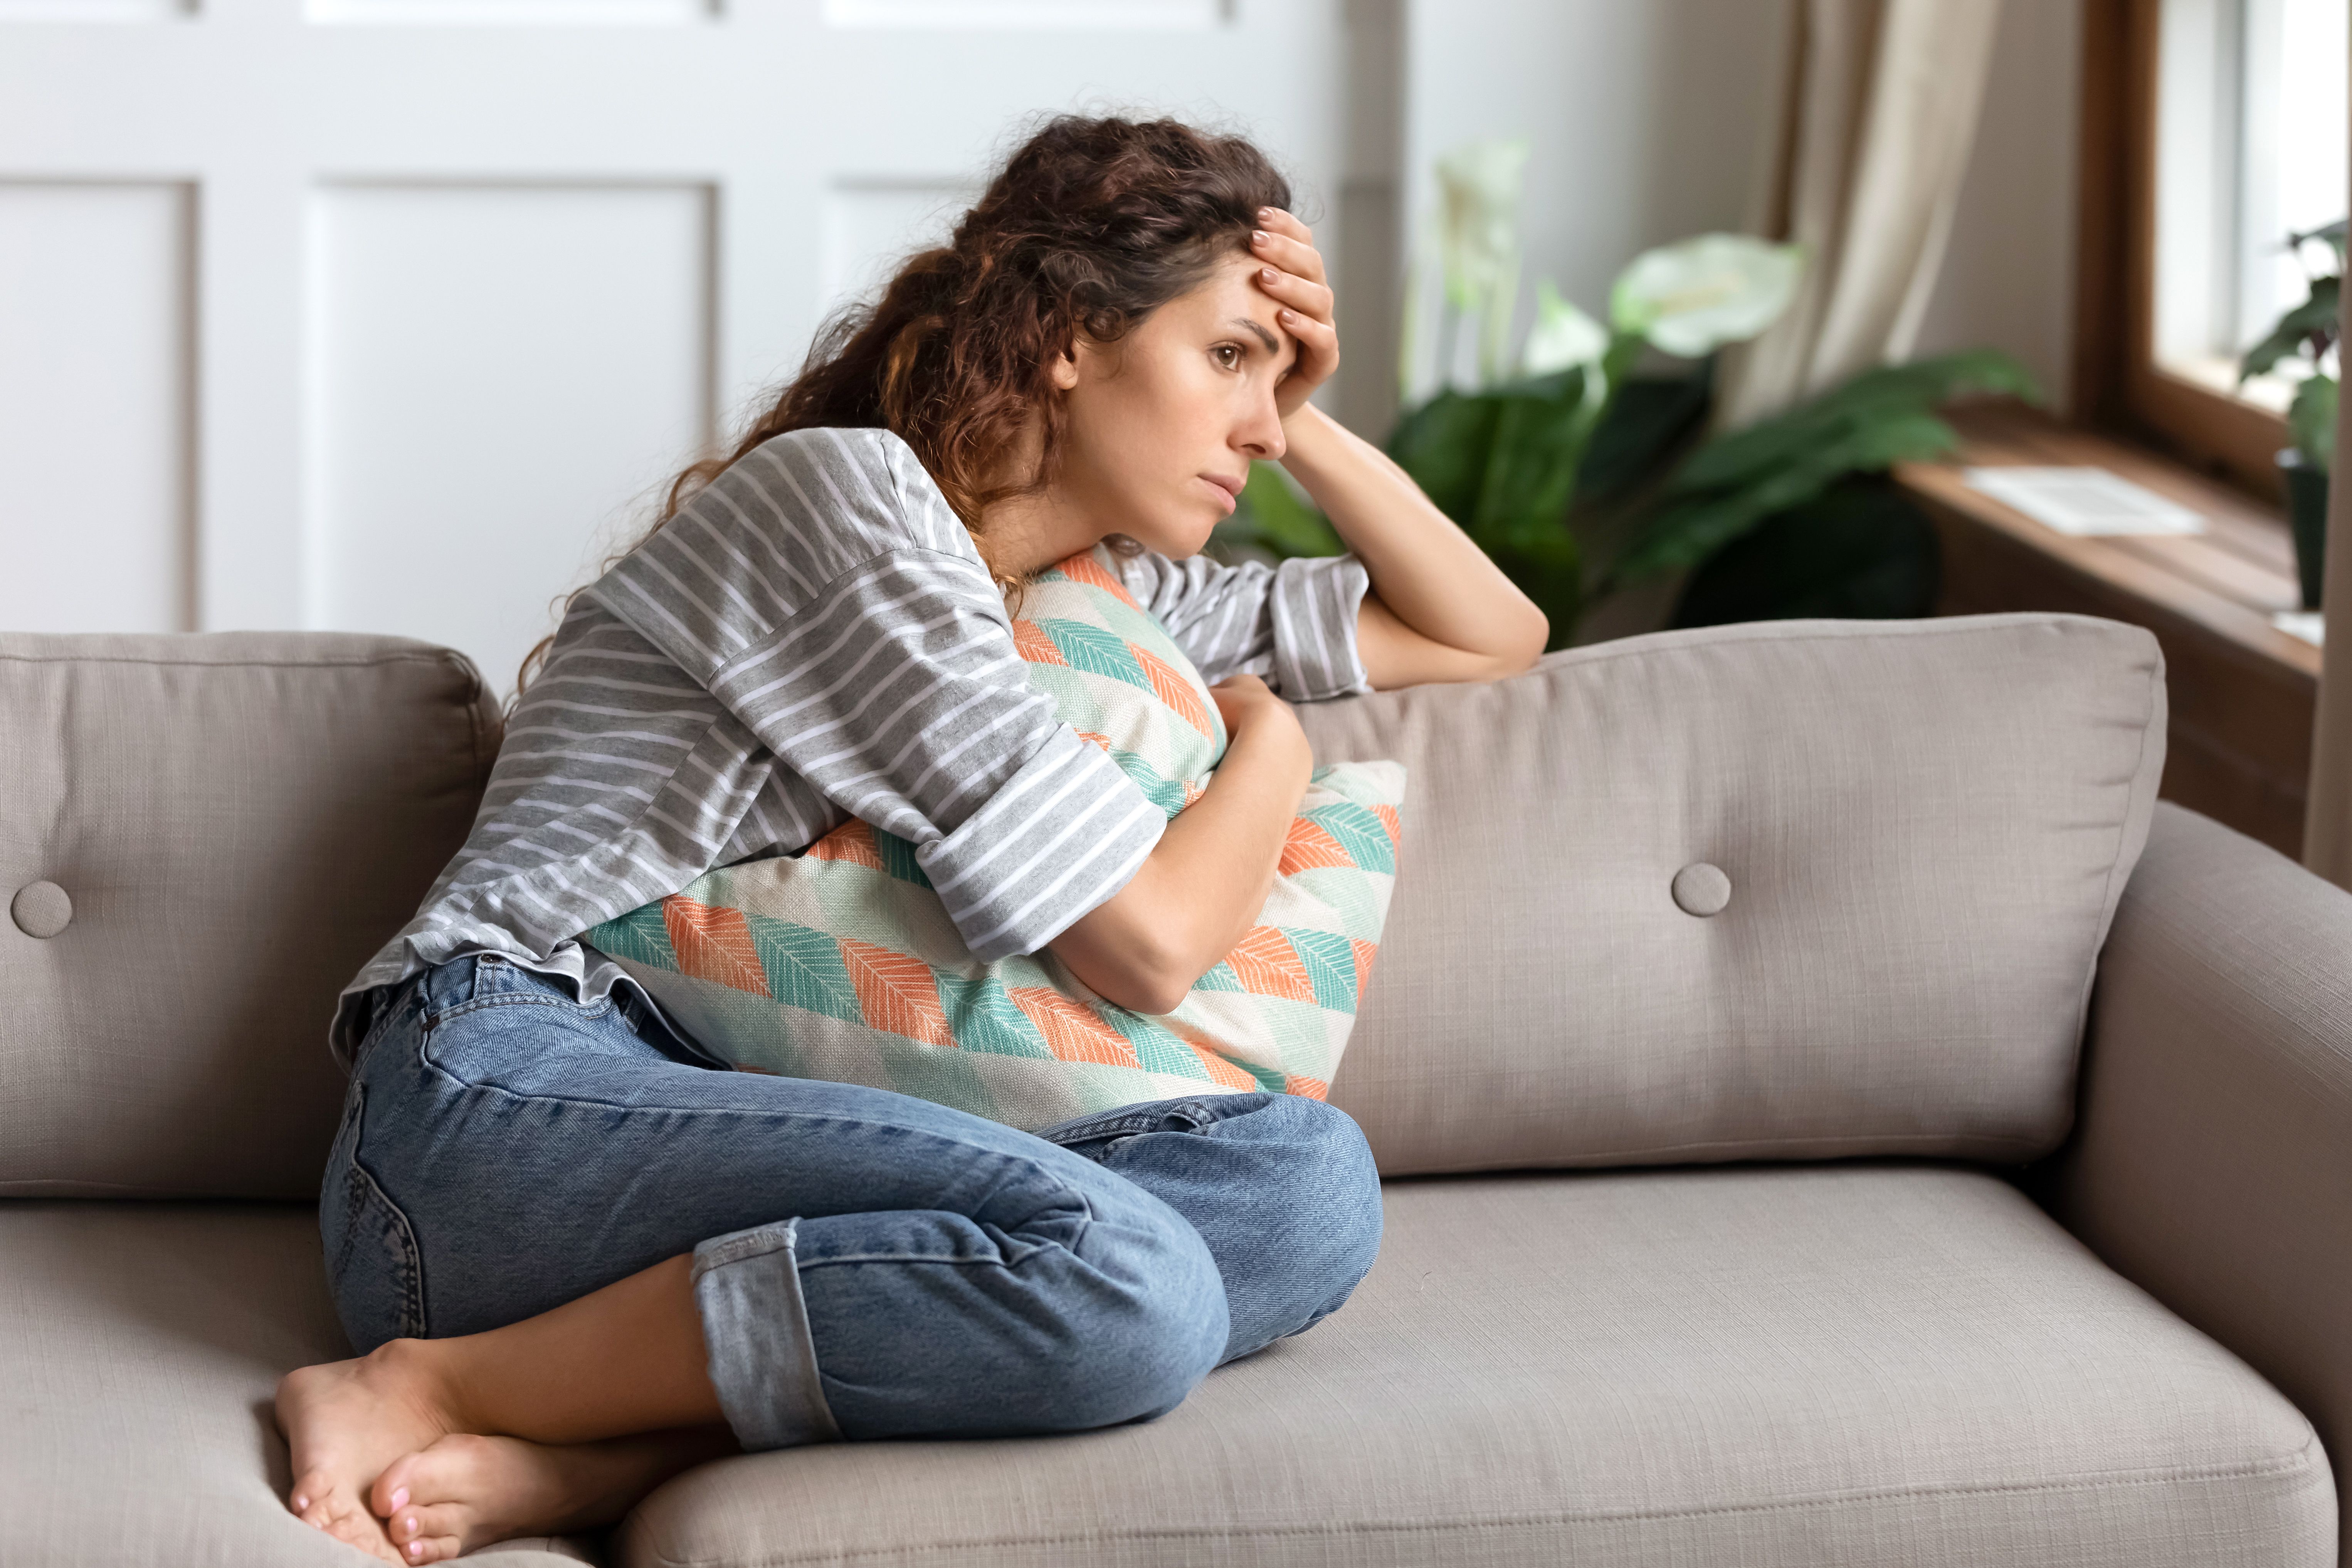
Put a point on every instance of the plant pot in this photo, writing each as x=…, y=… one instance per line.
x=2306, y=512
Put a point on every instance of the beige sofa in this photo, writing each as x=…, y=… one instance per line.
x=1755, y=1215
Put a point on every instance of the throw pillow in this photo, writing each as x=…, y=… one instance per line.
x=841, y=964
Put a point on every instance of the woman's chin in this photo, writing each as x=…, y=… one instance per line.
x=1178, y=539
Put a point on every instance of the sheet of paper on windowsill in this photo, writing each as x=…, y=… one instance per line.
x=2309, y=625
x=2083, y=501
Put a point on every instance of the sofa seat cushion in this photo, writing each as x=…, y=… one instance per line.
x=141, y=1345
x=1804, y=1366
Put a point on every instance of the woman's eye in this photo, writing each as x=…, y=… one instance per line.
x=1228, y=355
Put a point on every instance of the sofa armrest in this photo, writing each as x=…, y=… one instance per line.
x=2211, y=1161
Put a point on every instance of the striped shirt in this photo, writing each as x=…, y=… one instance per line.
x=813, y=637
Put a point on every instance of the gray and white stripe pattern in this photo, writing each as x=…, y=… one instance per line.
x=816, y=637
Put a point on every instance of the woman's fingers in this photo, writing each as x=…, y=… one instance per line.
x=1291, y=252
x=1288, y=243
x=1319, y=346
x=1289, y=289
x=1292, y=277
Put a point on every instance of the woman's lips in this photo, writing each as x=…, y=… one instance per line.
x=1228, y=490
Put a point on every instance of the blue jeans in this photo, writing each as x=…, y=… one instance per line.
x=866, y=1264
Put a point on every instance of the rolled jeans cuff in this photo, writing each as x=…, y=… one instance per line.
x=747, y=1287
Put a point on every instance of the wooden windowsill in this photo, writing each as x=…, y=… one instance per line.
x=2241, y=691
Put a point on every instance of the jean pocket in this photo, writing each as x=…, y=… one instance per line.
x=373, y=1267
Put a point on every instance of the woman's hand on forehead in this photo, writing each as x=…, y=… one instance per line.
x=1291, y=274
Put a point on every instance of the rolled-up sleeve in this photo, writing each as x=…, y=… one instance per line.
x=1293, y=625
x=893, y=686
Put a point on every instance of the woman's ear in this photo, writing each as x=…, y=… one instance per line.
x=1065, y=368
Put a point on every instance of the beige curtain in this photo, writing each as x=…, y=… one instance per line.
x=2328, y=809
x=1878, y=112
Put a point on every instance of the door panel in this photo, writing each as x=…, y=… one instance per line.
x=454, y=285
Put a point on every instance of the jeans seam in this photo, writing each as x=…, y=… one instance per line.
x=425, y=1053
x=364, y=1187
x=595, y=1009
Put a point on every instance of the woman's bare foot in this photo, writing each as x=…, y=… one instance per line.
x=466, y=1491
x=346, y=1421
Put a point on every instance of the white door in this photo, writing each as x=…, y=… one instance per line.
x=391, y=315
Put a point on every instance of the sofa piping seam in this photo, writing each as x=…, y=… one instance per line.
x=2284, y=1465
x=361, y=661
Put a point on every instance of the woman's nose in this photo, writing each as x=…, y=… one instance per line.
x=1261, y=432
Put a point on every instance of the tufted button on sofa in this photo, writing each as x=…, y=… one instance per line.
x=1833, y=1114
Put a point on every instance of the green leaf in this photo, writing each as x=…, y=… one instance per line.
x=1221, y=977
x=2312, y=418
x=641, y=936
x=1890, y=392
x=1329, y=960
x=982, y=1017
x=1097, y=652
x=1649, y=417
x=804, y=968
x=1443, y=445
x=898, y=858
x=2309, y=326
x=1688, y=530
x=1159, y=1048
x=1360, y=833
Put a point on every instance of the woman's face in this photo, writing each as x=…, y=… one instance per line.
x=1163, y=424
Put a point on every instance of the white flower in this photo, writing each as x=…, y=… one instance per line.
x=1478, y=219
x=1563, y=338
x=1693, y=297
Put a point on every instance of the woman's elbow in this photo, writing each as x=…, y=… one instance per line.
x=1122, y=959
x=1148, y=981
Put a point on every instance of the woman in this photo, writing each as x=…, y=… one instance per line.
x=579, y=1259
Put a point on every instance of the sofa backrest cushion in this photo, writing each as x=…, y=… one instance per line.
x=202, y=838
x=1787, y=890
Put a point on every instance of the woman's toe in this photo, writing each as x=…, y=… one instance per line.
x=429, y=1523
x=395, y=1487
x=430, y=1549
x=308, y=1501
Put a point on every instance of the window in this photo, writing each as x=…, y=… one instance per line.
x=2250, y=148
x=2212, y=131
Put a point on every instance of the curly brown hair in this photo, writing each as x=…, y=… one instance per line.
x=1091, y=224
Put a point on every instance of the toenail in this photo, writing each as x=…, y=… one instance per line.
x=400, y=1498
x=300, y=1502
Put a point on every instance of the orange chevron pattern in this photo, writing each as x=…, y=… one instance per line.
x=1173, y=689
x=851, y=843
x=714, y=943
x=1072, y=1031
x=765, y=974
x=899, y=994
x=1307, y=848
x=1267, y=965
x=1030, y=641
x=1084, y=568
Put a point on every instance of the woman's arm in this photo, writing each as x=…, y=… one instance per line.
x=1205, y=881
x=1439, y=609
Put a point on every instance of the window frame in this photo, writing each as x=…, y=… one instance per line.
x=2118, y=386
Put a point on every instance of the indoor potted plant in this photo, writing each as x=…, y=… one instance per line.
x=2307, y=333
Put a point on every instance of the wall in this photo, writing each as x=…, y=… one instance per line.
x=1644, y=119
x=1649, y=122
